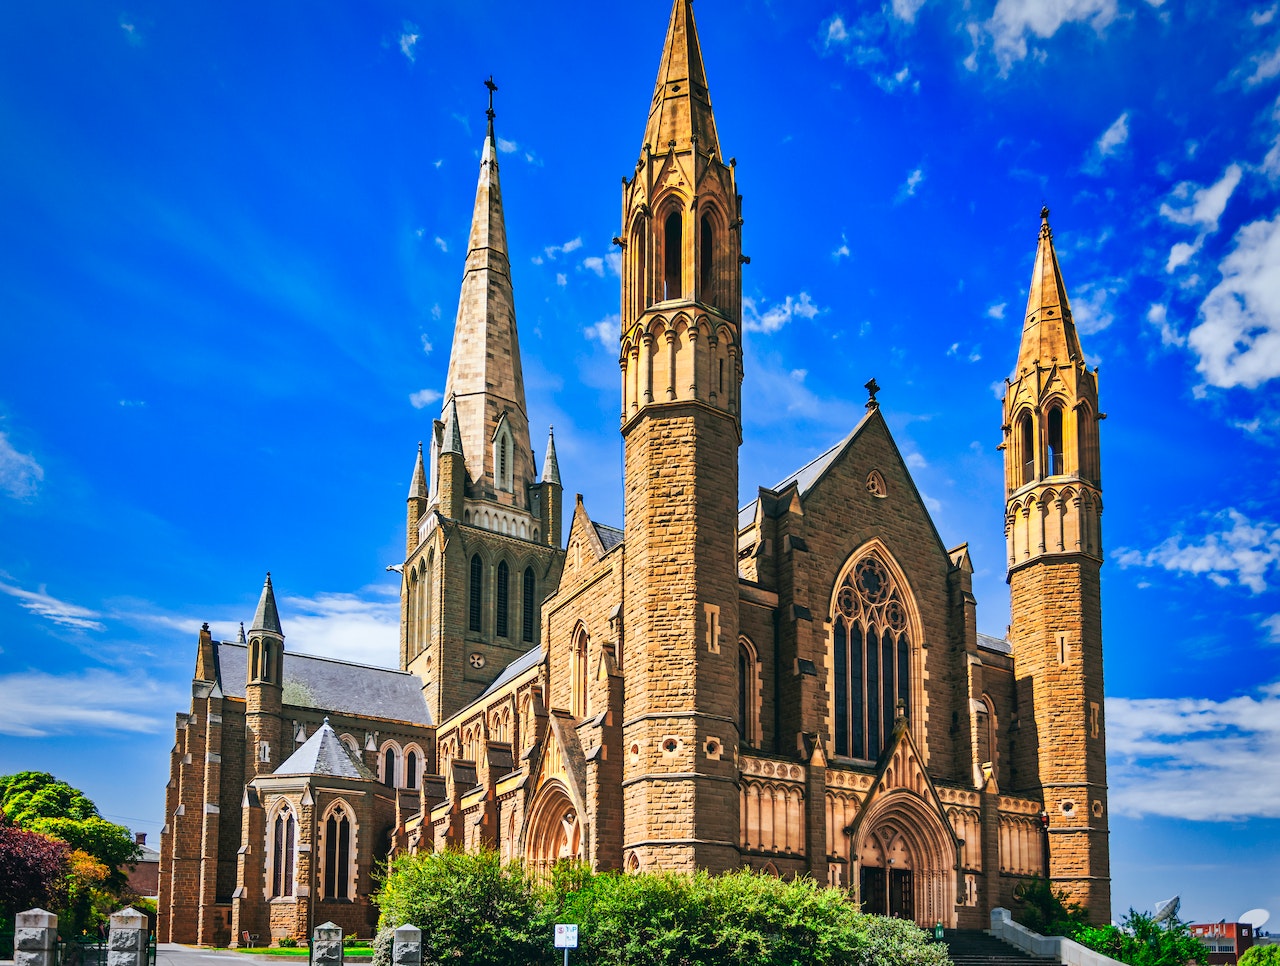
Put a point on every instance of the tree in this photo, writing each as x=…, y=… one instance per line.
x=38, y=802
x=1046, y=910
x=1141, y=941
x=32, y=870
x=1268, y=955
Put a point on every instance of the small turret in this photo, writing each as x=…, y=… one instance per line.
x=265, y=670
x=549, y=499
x=452, y=471
x=418, y=497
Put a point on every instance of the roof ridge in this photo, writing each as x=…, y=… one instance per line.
x=332, y=660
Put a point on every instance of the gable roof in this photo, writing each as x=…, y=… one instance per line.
x=997, y=644
x=324, y=754
x=330, y=685
x=530, y=658
x=609, y=536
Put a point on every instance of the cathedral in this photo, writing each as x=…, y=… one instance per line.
x=796, y=685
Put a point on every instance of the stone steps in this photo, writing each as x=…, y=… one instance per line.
x=972, y=947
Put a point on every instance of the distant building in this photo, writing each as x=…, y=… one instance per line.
x=796, y=685
x=1227, y=941
x=144, y=875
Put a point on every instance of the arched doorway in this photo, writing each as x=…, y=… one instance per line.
x=554, y=829
x=906, y=857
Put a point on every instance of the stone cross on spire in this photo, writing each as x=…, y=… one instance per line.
x=490, y=114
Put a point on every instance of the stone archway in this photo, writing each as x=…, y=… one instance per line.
x=905, y=858
x=554, y=829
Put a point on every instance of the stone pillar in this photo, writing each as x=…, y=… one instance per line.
x=406, y=948
x=326, y=947
x=127, y=943
x=35, y=938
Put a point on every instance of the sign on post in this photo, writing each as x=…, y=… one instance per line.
x=566, y=938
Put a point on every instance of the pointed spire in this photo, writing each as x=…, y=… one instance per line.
x=1049, y=331
x=418, y=485
x=681, y=106
x=242, y=639
x=267, y=618
x=551, y=468
x=452, y=436
x=485, y=376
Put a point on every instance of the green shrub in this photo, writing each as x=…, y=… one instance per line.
x=287, y=942
x=1141, y=941
x=1261, y=956
x=383, y=946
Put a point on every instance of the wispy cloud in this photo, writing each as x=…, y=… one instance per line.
x=363, y=627
x=1238, y=337
x=551, y=251
x=408, y=39
x=442, y=244
x=606, y=331
x=913, y=182
x=43, y=604
x=20, y=474
x=593, y=263
x=1266, y=65
x=1195, y=759
x=1201, y=207
x=35, y=704
x=996, y=311
x=505, y=146
x=1091, y=305
x=424, y=398
x=843, y=250
x=1112, y=140
x=1158, y=317
x=1014, y=23
x=1238, y=551
x=771, y=319
x=870, y=41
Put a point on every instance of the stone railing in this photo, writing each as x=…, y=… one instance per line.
x=1066, y=951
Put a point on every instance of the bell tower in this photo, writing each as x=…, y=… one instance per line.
x=1053, y=492
x=681, y=364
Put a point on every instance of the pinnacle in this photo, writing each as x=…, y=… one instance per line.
x=1049, y=331
x=267, y=617
x=681, y=108
x=551, y=468
x=418, y=485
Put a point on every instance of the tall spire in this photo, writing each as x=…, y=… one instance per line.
x=485, y=380
x=551, y=468
x=681, y=106
x=452, y=438
x=267, y=618
x=1049, y=331
x=418, y=485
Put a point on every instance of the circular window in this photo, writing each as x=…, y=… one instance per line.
x=1068, y=807
x=670, y=746
x=847, y=601
x=895, y=615
x=477, y=660
x=872, y=580
x=713, y=747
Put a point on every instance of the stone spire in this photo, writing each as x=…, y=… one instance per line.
x=418, y=485
x=267, y=618
x=452, y=437
x=1049, y=333
x=681, y=105
x=485, y=379
x=551, y=468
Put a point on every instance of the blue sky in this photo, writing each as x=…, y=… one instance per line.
x=232, y=242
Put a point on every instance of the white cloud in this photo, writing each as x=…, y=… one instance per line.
x=408, y=38
x=1183, y=252
x=1114, y=137
x=362, y=627
x=1014, y=21
x=1158, y=316
x=133, y=403
x=1261, y=18
x=505, y=146
x=799, y=375
x=34, y=704
x=1195, y=759
x=607, y=331
x=778, y=315
x=843, y=250
x=426, y=344
x=131, y=31
x=913, y=182
x=1089, y=306
x=20, y=474
x=551, y=251
x=614, y=262
x=1240, y=550
x=436, y=311
x=562, y=279
x=1272, y=624
x=907, y=9
x=442, y=244
x=1201, y=207
x=836, y=32
x=1238, y=339
x=40, y=603
x=424, y=398
x=996, y=311
x=916, y=461
x=1265, y=66
x=594, y=264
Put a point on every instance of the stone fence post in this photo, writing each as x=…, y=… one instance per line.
x=326, y=948
x=406, y=949
x=127, y=941
x=35, y=938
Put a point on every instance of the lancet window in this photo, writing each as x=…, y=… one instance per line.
x=871, y=660
x=476, y=593
x=284, y=832
x=338, y=838
x=502, y=599
x=528, y=606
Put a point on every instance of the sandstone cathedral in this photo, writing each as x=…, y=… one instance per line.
x=796, y=685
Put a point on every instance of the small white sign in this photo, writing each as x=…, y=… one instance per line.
x=566, y=935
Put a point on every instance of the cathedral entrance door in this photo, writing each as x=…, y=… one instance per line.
x=874, y=895
x=901, y=894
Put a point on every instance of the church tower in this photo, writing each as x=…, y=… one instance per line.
x=1053, y=485
x=482, y=539
x=681, y=366
x=263, y=691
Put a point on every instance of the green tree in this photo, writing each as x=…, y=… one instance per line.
x=1046, y=910
x=1268, y=955
x=38, y=802
x=1141, y=941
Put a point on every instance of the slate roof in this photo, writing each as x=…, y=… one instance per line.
x=803, y=478
x=610, y=537
x=997, y=644
x=324, y=754
x=528, y=659
x=329, y=685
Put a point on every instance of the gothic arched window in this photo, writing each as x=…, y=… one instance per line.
x=528, y=606
x=476, y=592
x=411, y=770
x=672, y=256
x=338, y=838
x=578, y=659
x=871, y=666
x=1054, y=464
x=1027, y=449
x=389, y=766
x=502, y=599
x=748, y=694
x=283, y=835
x=707, y=262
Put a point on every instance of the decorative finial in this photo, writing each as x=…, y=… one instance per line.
x=492, y=87
x=872, y=387
x=1044, y=213
x=419, y=447
x=205, y=626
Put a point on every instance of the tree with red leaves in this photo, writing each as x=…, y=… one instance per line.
x=32, y=870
